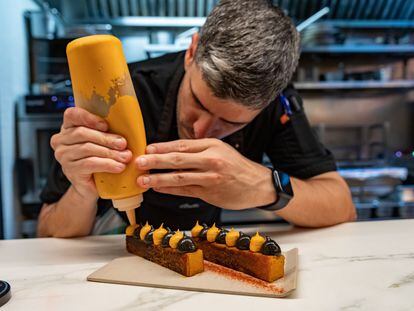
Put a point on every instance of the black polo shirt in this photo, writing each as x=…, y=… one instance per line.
x=291, y=146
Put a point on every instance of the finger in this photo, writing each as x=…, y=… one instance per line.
x=177, y=179
x=174, y=160
x=81, y=134
x=76, y=116
x=187, y=191
x=97, y=165
x=86, y=150
x=182, y=145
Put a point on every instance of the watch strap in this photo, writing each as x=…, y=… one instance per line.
x=282, y=198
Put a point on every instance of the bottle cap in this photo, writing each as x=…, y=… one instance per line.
x=128, y=204
x=5, y=293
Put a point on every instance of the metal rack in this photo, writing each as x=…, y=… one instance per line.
x=351, y=85
x=362, y=49
x=393, y=18
x=349, y=10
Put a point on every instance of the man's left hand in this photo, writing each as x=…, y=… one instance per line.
x=208, y=169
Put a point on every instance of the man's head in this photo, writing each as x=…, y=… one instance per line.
x=244, y=57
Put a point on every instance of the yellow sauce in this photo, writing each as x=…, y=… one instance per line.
x=196, y=230
x=130, y=229
x=144, y=231
x=175, y=239
x=231, y=237
x=256, y=242
x=159, y=234
x=212, y=233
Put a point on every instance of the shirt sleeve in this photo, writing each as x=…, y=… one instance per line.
x=294, y=147
x=56, y=185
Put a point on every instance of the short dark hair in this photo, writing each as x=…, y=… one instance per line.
x=248, y=51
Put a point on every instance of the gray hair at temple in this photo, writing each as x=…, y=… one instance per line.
x=248, y=51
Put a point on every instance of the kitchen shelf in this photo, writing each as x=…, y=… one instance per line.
x=382, y=204
x=371, y=24
x=150, y=22
x=164, y=48
x=395, y=84
x=360, y=49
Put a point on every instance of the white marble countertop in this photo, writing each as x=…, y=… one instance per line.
x=355, y=266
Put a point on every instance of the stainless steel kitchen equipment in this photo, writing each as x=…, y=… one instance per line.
x=356, y=77
x=38, y=118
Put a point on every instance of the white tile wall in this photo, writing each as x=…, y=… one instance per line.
x=13, y=83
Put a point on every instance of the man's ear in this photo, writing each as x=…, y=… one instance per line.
x=190, y=53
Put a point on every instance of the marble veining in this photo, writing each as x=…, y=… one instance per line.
x=409, y=279
x=355, y=266
x=158, y=299
x=368, y=257
x=356, y=305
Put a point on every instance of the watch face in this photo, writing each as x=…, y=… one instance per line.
x=284, y=183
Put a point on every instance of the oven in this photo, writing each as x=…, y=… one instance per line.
x=38, y=118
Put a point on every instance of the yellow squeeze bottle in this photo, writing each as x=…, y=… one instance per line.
x=103, y=86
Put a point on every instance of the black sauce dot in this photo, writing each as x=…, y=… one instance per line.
x=166, y=239
x=136, y=232
x=243, y=242
x=270, y=248
x=221, y=237
x=203, y=233
x=149, y=238
x=186, y=245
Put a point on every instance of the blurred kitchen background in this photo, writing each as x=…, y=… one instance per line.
x=356, y=76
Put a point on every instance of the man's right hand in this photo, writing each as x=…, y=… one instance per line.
x=82, y=147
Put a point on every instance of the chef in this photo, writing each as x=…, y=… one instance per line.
x=211, y=114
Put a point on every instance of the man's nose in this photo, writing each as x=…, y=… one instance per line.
x=204, y=126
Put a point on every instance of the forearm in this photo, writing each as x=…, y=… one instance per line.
x=73, y=215
x=321, y=201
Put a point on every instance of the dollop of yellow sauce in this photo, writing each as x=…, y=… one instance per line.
x=177, y=236
x=130, y=229
x=231, y=237
x=256, y=242
x=212, y=233
x=196, y=230
x=159, y=234
x=144, y=231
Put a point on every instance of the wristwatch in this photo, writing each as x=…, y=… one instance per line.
x=284, y=191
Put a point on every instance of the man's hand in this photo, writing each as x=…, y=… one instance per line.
x=208, y=169
x=82, y=148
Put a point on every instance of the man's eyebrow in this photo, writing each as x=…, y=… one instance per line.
x=201, y=105
x=196, y=98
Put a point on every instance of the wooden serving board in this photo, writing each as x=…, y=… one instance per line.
x=134, y=270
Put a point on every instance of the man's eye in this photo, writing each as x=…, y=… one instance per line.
x=199, y=104
x=234, y=125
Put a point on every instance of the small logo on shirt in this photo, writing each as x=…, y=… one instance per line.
x=189, y=206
